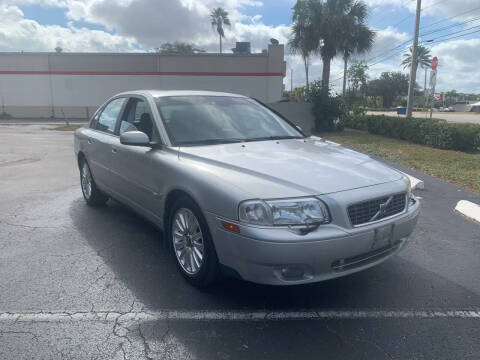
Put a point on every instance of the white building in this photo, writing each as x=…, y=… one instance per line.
x=74, y=84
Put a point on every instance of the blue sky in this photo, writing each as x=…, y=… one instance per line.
x=142, y=25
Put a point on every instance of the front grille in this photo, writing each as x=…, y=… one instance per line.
x=368, y=211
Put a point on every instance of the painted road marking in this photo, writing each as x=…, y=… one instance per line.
x=234, y=315
x=468, y=209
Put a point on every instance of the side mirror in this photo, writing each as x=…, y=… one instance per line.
x=134, y=138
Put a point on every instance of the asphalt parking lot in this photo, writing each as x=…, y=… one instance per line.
x=78, y=282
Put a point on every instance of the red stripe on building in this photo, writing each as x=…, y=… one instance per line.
x=171, y=73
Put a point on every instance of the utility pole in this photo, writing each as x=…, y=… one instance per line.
x=291, y=79
x=413, y=67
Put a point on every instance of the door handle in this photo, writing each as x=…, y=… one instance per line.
x=90, y=141
x=114, y=150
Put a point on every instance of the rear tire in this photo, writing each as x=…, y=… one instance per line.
x=92, y=195
x=191, y=243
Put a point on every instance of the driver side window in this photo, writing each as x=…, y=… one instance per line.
x=137, y=117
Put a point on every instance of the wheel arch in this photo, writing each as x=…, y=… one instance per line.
x=80, y=157
x=170, y=199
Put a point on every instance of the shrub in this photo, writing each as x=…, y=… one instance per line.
x=435, y=133
x=328, y=110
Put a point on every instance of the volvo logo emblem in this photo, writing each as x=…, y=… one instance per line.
x=382, y=209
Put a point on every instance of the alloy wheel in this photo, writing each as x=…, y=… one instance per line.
x=187, y=241
x=86, y=180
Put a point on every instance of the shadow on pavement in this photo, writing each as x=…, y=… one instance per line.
x=133, y=249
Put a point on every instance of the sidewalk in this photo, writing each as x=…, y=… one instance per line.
x=460, y=117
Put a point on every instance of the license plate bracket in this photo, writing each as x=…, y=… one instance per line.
x=382, y=237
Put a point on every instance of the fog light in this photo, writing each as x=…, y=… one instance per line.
x=292, y=272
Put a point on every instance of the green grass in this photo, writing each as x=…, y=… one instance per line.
x=71, y=127
x=457, y=167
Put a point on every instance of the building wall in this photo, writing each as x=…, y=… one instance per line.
x=298, y=113
x=42, y=85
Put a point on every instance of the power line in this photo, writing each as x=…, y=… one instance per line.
x=450, y=26
x=459, y=31
x=450, y=17
x=381, y=57
x=424, y=34
x=432, y=31
x=454, y=37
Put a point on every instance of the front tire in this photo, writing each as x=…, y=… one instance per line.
x=192, y=244
x=92, y=195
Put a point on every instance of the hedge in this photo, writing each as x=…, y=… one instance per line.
x=435, y=133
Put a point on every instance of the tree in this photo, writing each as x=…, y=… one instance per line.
x=304, y=40
x=389, y=85
x=339, y=19
x=178, y=48
x=327, y=109
x=357, y=75
x=219, y=18
x=423, y=58
x=356, y=36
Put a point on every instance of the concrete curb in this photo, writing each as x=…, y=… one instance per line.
x=468, y=209
x=417, y=184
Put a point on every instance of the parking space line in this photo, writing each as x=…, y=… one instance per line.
x=468, y=209
x=228, y=315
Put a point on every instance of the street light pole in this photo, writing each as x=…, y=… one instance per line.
x=413, y=68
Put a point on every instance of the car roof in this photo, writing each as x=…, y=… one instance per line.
x=162, y=93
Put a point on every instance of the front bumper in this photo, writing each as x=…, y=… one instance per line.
x=277, y=256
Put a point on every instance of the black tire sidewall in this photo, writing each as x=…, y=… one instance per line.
x=96, y=197
x=209, y=270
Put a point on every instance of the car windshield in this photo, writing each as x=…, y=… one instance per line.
x=206, y=120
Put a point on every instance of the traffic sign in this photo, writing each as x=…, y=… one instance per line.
x=434, y=63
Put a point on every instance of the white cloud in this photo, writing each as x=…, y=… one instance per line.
x=433, y=7
x=145, y=24
x=18, y=33
x=458, y=65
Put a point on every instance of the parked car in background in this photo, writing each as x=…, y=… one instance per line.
x=239, y=190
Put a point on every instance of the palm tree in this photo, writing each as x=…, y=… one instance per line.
x=218, y=18
x=357, y=38
x=304, y=40
x=423, y=58
x=339, y=19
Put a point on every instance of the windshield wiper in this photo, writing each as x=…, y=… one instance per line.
x=210, y=141
x=276, y=137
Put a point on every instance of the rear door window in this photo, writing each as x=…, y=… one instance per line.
x=108, y=118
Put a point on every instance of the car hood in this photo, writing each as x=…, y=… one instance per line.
x=292, y=167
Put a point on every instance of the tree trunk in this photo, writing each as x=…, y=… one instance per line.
x=326, y=72
x=220, y=43
x=413, y=89
x=345, y=61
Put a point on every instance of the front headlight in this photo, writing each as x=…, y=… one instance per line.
x=284, y=212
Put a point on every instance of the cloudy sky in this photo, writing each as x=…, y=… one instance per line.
x=142, y=25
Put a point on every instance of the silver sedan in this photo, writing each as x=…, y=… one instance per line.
x=238, y=190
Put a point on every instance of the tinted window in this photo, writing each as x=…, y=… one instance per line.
x=196, y=120
x=108, y=117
